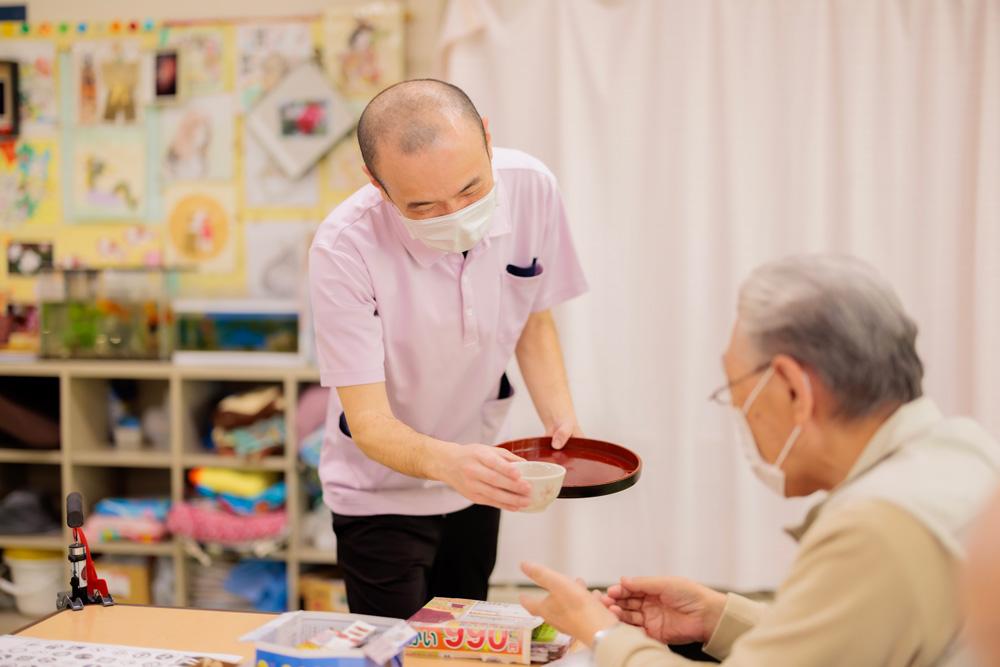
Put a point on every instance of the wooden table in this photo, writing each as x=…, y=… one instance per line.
x=170, y=628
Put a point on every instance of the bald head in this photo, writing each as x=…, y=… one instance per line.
x=411, y=116
x=982, y=586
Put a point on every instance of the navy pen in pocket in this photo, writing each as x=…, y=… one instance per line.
x=524, y=271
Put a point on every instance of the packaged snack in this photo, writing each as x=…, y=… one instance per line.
x=451, y=627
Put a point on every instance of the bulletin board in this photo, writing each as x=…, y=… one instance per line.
x=137, y=143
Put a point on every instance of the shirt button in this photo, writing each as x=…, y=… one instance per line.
x=468, y=311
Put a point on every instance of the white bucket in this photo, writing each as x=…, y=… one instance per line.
x=36, y=580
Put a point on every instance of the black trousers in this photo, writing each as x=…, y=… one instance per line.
x=394, y=564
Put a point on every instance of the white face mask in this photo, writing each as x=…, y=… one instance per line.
x=770, y=474
x=458, y=231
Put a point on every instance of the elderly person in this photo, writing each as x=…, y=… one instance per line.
x=981, y=587
x=825, y=386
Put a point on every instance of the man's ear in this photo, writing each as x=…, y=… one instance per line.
x=799, y=384
x=374, y=181
x=489, y=137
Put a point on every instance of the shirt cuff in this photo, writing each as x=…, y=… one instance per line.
x=621, y=642
x=738, y=616
x=334, y=379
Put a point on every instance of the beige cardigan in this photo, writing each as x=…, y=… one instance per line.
x=873, y=582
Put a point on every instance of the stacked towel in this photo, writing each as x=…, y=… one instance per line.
x=251, y=424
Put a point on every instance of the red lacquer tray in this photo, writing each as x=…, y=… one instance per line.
x=593, y=467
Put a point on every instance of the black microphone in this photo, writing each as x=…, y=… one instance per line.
x=74, y=510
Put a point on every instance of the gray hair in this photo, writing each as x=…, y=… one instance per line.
x=836, y=315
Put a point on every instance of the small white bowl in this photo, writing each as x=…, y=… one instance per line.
x=546, y=480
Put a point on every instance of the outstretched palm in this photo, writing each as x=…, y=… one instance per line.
x=670, y=609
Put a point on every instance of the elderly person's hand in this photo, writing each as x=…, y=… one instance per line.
x=670, y=609
x=568, y=606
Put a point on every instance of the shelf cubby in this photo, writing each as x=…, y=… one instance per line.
x=87, y=461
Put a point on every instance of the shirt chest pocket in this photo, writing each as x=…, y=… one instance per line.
x=518, y=295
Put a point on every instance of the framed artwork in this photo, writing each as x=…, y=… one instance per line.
x=29, y=190
x=363, y=46
x=205, y=57
x=108, y=166
x=266, y=53
x=36, y=83
x=10, y=103
x=167, y=73
x=26, y=258
x=111, y=81
x=300, y=119
x=198, y=139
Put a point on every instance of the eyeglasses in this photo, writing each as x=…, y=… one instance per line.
x=724, y=394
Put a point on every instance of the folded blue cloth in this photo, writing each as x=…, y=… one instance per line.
x=133, y=508
x=272, y=498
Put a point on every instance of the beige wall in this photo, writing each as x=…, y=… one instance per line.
x=423, y=17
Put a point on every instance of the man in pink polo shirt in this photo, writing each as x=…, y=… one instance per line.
x=424, y=284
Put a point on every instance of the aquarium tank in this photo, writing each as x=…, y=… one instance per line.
x=106, y=313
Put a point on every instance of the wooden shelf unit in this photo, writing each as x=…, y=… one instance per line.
x=89, y=463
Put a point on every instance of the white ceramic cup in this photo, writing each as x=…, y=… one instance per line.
x=546, y=480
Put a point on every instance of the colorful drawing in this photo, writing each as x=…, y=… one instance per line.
x=201, y=228
x=109, y=174
x=266, y=52
x=276, y=255
x=265, y=184
x=25, y=258
x=366, y=47
x=199, y=140
x=204, y=52
x=38, y=93
x=111, y=81
x=28, y=190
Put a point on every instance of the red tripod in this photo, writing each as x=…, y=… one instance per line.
x=94, y=589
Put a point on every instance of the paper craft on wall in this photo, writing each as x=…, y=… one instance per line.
x=267, y=52
x=98, y=145
x=38, y=93
x=203, y=56
x=300, y=119
x=198, y=139
x=201, y=228
x=112, y=81
x=109, y=174
x=28, y=188
x=265, y=184
x=276, y=254
x=364, y=47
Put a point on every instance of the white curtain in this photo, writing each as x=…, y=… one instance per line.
x=694, y=139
